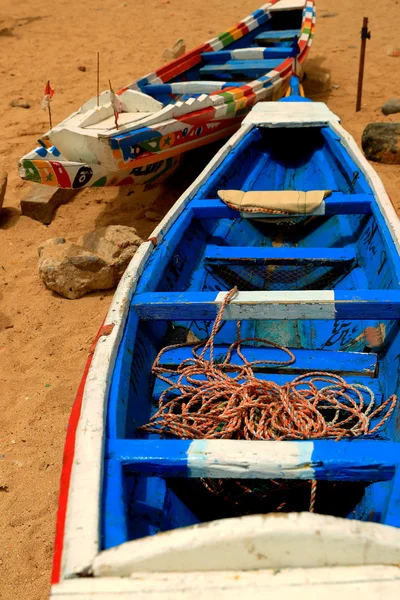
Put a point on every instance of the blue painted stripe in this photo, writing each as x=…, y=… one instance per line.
x=119, y=388
x=114, y=526
x=41, y=151
x=280, y=255
x=252, y=68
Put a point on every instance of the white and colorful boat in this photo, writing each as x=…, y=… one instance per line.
x=196, y=99
x=291, y=214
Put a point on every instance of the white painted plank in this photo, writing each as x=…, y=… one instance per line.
x=273, y=541
x=238, y=458
x=279, y=305
x=345, y=583
x=290, y=114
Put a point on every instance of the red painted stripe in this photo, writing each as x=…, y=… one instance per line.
x=68, y=458
x=198, y=117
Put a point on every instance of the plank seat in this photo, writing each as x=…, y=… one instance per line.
x=222, y=56
x=247, y=68
x=271, y=37
x=355, y=460
x=281, y=256
x=336, y=204
x=182, y=87
x=258, y=305
x=350, y=363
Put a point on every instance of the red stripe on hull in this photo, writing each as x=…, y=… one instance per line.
x=68, y=458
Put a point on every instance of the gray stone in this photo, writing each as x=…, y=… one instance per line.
x=96, y=262
x=3, y=187
x=41, y=202
x=391, y=106
x=116, y=244
x=72, y=271
x=381, y=142
x=50, y=242
x=19, y=103
x=316, y=79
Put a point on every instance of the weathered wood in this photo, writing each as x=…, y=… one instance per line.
x=272, y=37
x=341, y=304
x=278, y=256
x=336, y=204
x=349, y=363
x=247, y=68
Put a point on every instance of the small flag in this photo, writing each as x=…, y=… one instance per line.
x=48, y=94
x=116, y=104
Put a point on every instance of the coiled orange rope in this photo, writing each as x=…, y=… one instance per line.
x=209, y=403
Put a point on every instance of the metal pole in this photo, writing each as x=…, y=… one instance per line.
x=365, y=35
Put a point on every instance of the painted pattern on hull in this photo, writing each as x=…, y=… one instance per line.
x=75, y=175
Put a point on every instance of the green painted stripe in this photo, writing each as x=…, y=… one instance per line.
x=226, y=39
x=227, y=96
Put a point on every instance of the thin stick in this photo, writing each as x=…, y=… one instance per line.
x=98, y=79
x=115, y=113
x=365, y=35
x=49, y=108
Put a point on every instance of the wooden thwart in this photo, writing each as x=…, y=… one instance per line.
x=249, y=68
x=243, y=255
x=362, y=363
x=323, y=304
x=271, y=37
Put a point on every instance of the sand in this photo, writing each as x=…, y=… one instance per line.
x=44, y=339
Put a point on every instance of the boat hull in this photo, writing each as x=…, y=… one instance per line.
x=86, y=156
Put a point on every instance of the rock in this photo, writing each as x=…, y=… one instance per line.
x=116, y=244
x=335, y=86
x=50, y=242
x=391, y=106
x=393, y=51
x=329, y=15
x=316, y=79
x=3, y=187
x=381, y=142
x=153, y=215
x=72, y=271
x=82, y=68
x=41, y=202
x=96, y=262
x=19, y=103
x=177, y=50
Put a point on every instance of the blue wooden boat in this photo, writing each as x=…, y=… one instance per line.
x=143, y=512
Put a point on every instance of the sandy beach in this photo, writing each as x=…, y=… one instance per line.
x=44, y=339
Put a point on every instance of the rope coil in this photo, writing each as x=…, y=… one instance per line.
x=203, y=401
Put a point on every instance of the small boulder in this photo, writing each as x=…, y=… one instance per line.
x=3, y=187
x=96, y=262
x=177, y=50
x=19, y=103
x=317, y=80
x=72, y=271
x=381, y=142
x=394, y=51
x=116, y=244
x=391, y=106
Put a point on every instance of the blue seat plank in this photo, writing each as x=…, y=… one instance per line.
x=363, y=363
x=271, y=37
x=303, y=305
x=282, y=255
x=336, y=204
x=222, y=56
x=247, y=68
x=355, y=460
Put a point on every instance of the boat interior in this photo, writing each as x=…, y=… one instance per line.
x=210, y=248
x=276, y=38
